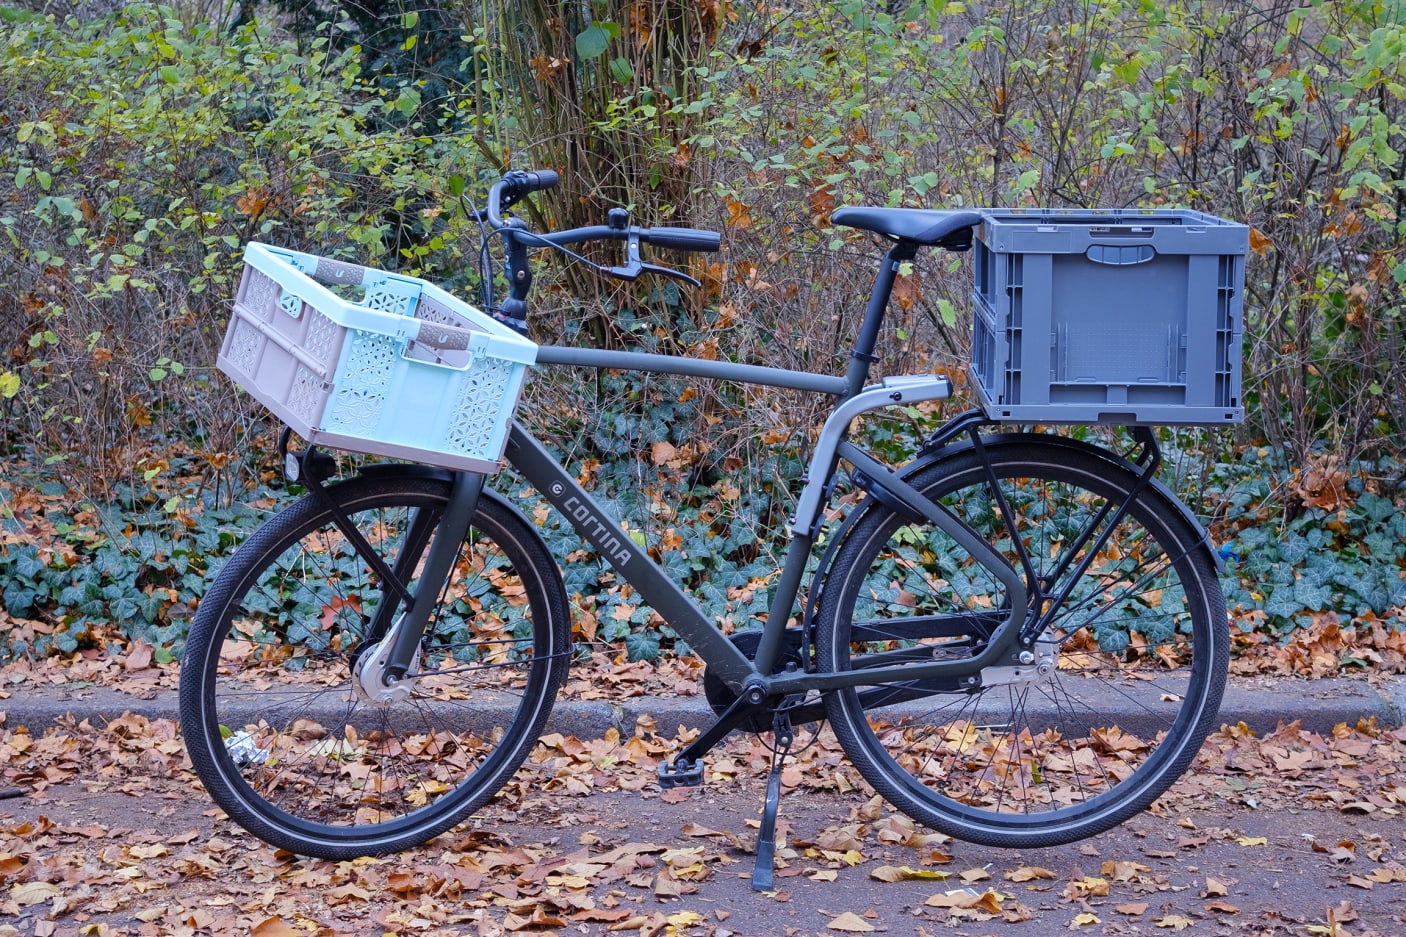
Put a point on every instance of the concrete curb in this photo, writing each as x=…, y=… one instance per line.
x=1261, y=703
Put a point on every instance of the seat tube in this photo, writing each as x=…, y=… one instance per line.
x=863, y=355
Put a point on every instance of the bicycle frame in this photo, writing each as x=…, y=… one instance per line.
x=733, y=667
x=756, y=678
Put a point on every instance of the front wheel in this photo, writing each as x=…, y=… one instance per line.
x=275, y=708
x=1129, y=663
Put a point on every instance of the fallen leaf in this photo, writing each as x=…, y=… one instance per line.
x=988, y=901
x=31, y=893
x=1175, y=922
x=684, y=918
x=849, y=921
x=1132, y=908
x=1085, y=919
x=273, y=927
x=1028, y=873
x=1124, y=871
x=903, y=873
x=1252, y=841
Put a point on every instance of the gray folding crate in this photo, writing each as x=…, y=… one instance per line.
x=1108, y=316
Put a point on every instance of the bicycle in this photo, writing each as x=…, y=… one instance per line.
x=1018, y=638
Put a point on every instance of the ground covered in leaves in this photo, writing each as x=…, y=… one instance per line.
x=106, y=832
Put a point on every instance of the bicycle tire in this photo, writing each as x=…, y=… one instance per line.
x=1137, y=653
x=270, y=715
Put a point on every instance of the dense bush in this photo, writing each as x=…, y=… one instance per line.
x=137, y=155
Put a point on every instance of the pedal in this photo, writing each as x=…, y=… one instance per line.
x=681, y=773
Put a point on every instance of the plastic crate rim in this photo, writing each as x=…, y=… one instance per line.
x=282, y=266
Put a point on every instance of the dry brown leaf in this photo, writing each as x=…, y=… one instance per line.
x=274, y=927
x=1028, y=873
x=850, y=923
x=988, y=901
x=31, y=893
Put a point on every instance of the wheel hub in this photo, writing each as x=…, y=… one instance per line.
x=372, y=680
x=1039, y=663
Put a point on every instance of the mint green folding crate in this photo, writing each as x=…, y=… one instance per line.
x=367, y=361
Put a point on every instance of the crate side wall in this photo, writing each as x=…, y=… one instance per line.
x=1073, y=325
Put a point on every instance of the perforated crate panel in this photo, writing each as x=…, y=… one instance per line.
x=402, y=369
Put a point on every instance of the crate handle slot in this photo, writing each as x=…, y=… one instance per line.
x=458, y=342
x=1120, y=255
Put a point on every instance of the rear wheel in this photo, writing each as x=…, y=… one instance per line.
x=1130, y=662
x=276, y=707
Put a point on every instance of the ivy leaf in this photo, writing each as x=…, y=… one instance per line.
x=592, y=42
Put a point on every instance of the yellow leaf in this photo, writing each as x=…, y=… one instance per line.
x=849, y=921
x=1253, y=841
x=685, y=918
x=1088, y=917
x=1174, y=921
x=895, y=873
x=34, y=893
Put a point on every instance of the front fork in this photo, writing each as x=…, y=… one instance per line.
x=391, y=648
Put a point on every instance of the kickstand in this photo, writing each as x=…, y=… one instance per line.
x=764, y=872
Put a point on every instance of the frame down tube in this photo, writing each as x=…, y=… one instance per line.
x=528, y=456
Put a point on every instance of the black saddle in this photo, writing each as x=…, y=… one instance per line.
x=931, y=227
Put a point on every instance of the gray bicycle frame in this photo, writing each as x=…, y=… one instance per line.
x=682, y=613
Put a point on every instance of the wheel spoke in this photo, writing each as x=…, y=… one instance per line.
x=1128, y=666
x=301, y=741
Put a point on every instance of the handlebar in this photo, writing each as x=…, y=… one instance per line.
x=517, y=184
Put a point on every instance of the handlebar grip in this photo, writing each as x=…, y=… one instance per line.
x=682, y=239
x=521, y=181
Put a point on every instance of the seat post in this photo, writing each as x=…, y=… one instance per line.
x=863, y=355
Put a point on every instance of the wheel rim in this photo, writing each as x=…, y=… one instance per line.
x=301, y=749
x=1093, y=740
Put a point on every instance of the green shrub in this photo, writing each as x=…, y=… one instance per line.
x=138, y=156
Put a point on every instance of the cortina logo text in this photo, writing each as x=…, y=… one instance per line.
x=601, y=534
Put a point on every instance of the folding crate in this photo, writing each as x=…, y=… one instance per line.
x=1108, y=316
x=358, y=359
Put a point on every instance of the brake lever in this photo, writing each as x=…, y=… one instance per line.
x=635, y=267
x=671, y=273
x=635, y=270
